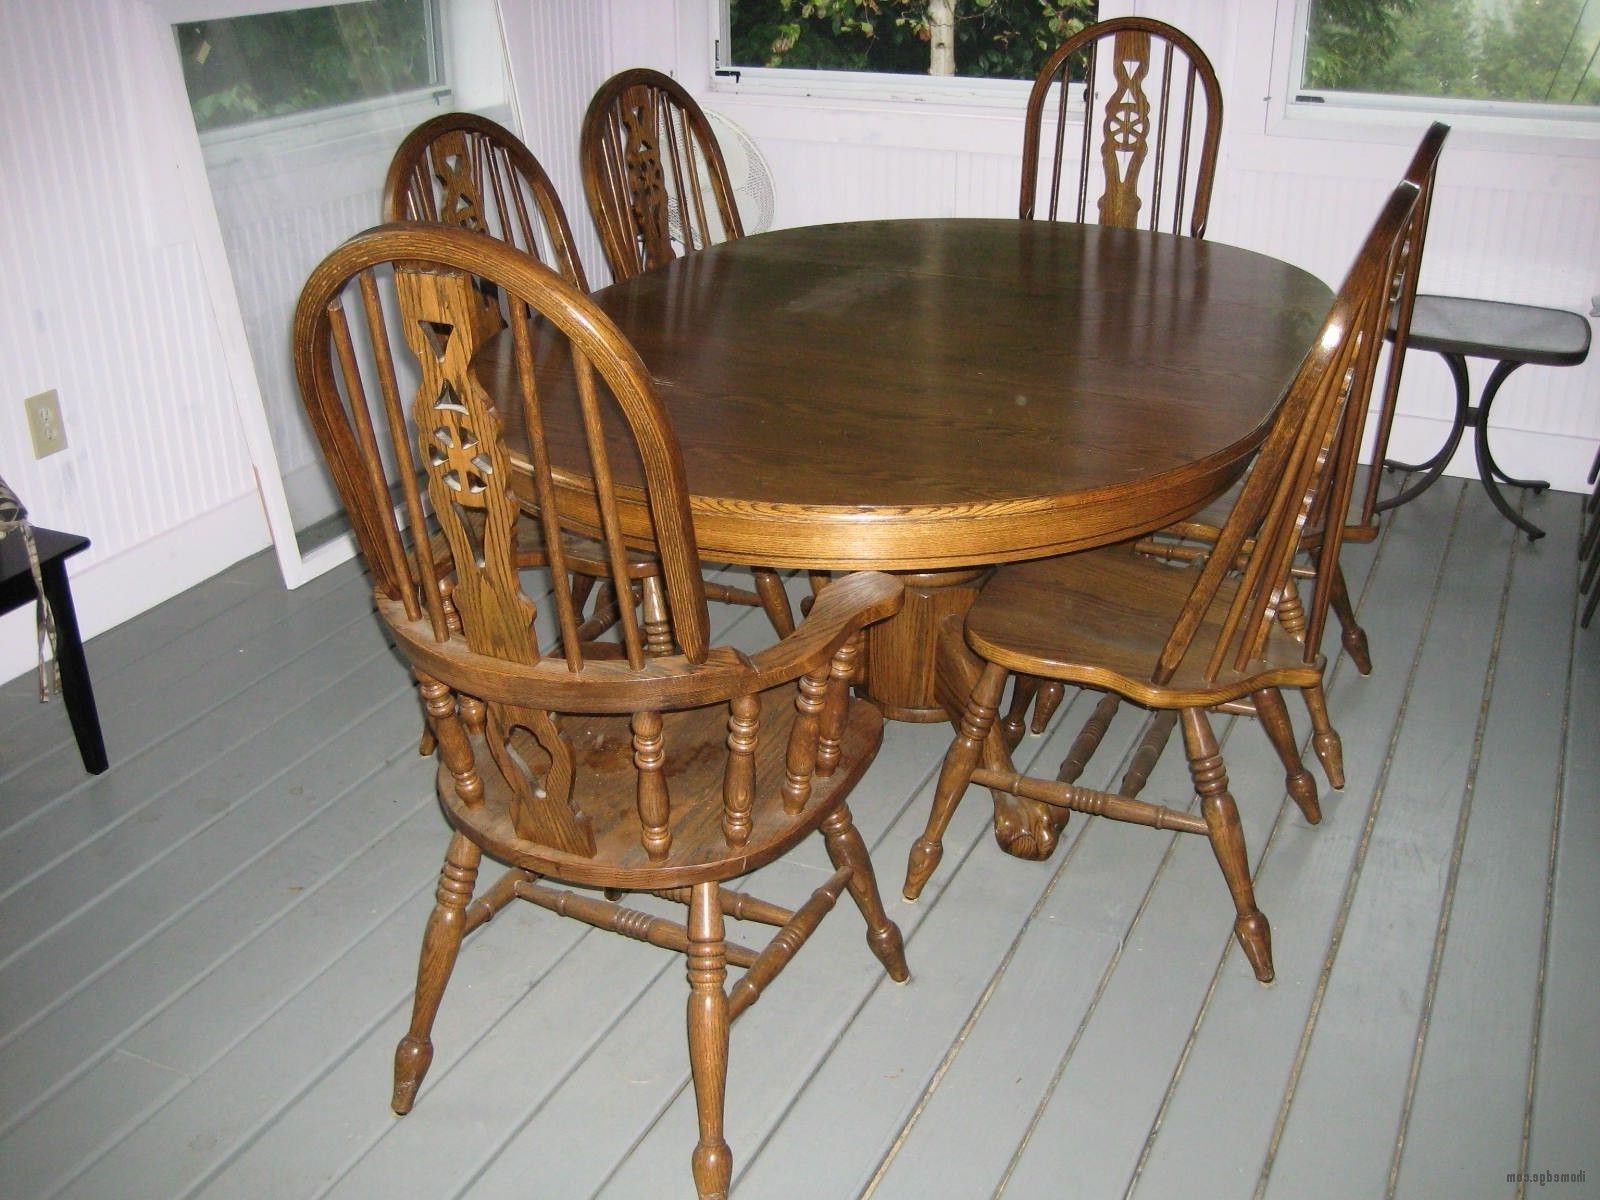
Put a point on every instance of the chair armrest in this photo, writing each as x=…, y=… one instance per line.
x=843, y=607
x=846, y=605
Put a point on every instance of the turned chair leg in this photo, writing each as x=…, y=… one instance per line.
x=1274, y=716
x=847, y=849
x=708, y=1040
x=955, y=776
x=1024, y=688
x=1227, y=840
x=774, y=599
x=1045, y=695
x=1051, y=692
x=1351, y=635
x=1324, y=737
x=657, y=622
x=441, y=942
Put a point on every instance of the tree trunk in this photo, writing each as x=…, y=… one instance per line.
x=942, y=37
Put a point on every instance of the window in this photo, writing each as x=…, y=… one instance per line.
x=242, y=70
x=967, y=39
x=299, y=113
x=1498, y=57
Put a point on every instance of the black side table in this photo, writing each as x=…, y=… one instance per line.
x=17, y=589
x=1511, y=334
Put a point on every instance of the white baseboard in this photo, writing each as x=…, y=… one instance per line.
x=113, y=590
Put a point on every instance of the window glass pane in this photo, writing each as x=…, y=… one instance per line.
x=244, y=69
x=986, y=39
x=359, y=77
x=1531, y=51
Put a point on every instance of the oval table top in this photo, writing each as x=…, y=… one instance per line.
x=939, y=393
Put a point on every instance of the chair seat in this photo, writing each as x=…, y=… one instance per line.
x=1101, y=618
x=605, y=789
x=588, y=557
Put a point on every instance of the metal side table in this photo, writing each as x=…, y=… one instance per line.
x=1511, y=334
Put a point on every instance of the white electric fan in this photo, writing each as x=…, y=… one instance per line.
x=747, y=172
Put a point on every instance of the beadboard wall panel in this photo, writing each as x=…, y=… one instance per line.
x=106, y=303
x=559, y=58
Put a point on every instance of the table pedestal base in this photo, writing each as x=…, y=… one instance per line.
x=901, y=651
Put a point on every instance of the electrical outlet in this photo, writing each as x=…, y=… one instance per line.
x=44, y=423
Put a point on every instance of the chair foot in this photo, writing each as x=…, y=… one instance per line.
x=920, y=866
x=1303, y=791
x=1255, y=939
x=1274, y=717
x=1354, y=640
x=412, y=1058
x=1325, y=739
x=1049, y=699
x=1351, y=635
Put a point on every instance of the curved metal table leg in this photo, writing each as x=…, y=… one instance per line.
x=1434, y=467
x=1489, y=470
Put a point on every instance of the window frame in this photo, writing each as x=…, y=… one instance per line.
x=332, y=123
x=1505, y=124
x=964, y=91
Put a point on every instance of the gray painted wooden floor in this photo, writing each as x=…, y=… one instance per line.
x=206, y=955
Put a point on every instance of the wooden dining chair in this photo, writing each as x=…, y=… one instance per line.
x=1197, y=534
x=1162, y=110
x=1423, y=170
x=591, y=765
x=465, y=170
x=1193, y=537
x=653, y=173
x=1180, y=640
x=1154, y=138
x=657, y=187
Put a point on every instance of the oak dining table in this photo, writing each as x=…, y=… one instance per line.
x=936, y=396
